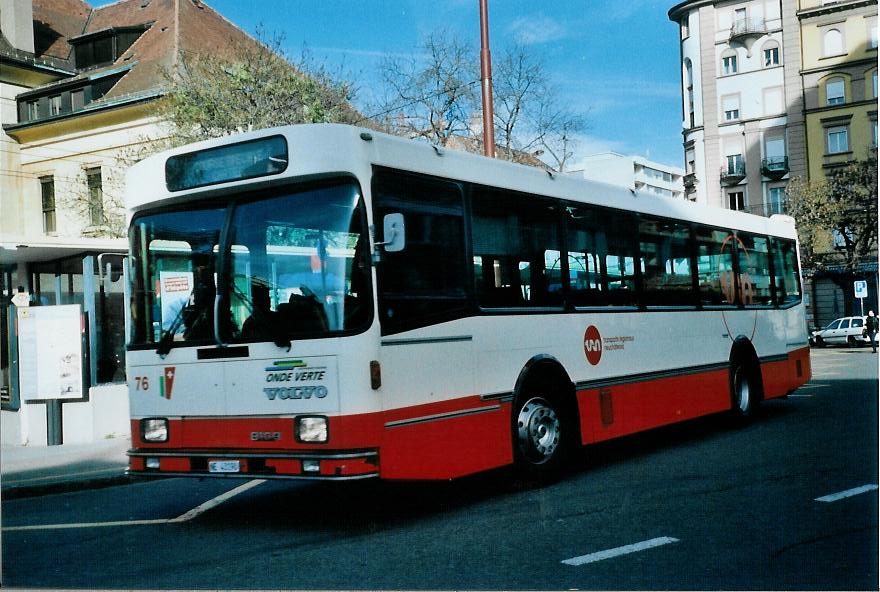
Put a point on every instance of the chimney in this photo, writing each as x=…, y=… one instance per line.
x=17, y=23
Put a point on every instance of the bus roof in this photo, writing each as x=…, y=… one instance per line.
x=325, y=150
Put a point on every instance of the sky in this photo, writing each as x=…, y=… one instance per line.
x=615, y=60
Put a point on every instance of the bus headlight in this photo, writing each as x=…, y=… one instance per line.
x=311, y=429
x=154, y=429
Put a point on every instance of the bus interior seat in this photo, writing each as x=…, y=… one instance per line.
x=303, y=314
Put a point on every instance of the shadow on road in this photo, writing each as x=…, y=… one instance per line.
x=365, y=507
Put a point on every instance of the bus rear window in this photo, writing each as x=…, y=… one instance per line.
x=235, y=162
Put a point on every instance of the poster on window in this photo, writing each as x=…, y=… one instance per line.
x=175, y=288
x=50, y=352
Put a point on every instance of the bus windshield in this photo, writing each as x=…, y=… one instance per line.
x=291, y=265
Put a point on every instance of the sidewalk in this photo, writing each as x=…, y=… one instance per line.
x=36, y=470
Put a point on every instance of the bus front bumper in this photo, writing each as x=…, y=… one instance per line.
x=251, y=464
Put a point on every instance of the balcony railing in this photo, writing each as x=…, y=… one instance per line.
x=689, y=180
x=774, y=167
x=733, y=173
x=754, y=27
x=767, y=209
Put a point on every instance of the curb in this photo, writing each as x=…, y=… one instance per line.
x=15, y=491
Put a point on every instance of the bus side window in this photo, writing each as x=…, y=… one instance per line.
x=425, y=282
x=601, y=257
x=786, y=275
x=754, y=270
x=664, y=247
x=517, y=250
x=715, y=267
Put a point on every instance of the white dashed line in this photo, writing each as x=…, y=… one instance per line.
x=845, y=494
x=201, y=509
x=618, y=551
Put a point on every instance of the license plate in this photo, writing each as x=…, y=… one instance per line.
x=224, y=466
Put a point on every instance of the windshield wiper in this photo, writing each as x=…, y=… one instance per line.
x=166, y=342
x=193, y=312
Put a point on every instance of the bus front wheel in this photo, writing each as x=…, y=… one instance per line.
x=541, y=439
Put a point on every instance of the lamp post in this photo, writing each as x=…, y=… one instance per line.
x=486, y=82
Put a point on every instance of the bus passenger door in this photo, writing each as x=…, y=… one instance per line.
x=431, y=428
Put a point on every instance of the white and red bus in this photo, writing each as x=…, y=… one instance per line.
x=328, y=302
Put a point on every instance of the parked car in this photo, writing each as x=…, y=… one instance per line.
x=843, y=331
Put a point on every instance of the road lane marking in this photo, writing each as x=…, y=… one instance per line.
x=85, y=525
x=845, y=494
x=213, y=503
x=618, y=551
x=185, y=517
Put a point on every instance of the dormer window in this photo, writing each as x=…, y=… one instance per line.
x=104, y=47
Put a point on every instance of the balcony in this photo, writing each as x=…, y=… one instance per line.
x=767, y=209
x=690, y=181
x=774, y=167
x=747, y=31
x=741, y=29
x=733, y=173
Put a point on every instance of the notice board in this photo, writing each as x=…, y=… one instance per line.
x=50, y=352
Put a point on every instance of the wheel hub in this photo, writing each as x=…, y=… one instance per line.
x=538, y=430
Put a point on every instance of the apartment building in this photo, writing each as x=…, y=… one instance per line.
x=635, y=172
x=742, y=114
x=839, y=77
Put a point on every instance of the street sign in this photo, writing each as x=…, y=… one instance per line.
x=861, y=288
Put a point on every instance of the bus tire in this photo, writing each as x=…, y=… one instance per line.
x=744, y=391
x=541, y=437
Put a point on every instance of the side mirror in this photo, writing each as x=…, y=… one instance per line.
x=394, y=231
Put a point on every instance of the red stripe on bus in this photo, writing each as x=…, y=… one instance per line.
x=450, y=439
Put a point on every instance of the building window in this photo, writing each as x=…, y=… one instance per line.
x=835, y=93
x=872, y=34
x=874, y=84
x=736, y=200
x=55, y=105
x=77, y=99
x=736, y=165
x=730, y=106
x=96, y=196
x=33, y=110
x=776, y=200
x=728, y=63
x=873, y=133
x=47, y=191
x=685, y=27
x=838, y=139
x=771, y=55
x=832, y=43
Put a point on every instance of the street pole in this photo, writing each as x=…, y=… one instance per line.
x=486, y=80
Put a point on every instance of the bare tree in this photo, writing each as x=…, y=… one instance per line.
x=530, y=116
x=433, y=95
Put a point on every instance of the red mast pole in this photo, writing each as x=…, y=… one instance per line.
x=486, y=79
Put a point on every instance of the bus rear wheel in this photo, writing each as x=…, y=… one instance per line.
x=744, y=392
x=540, y=437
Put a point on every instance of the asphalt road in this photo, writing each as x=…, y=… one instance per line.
x=703, y=505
